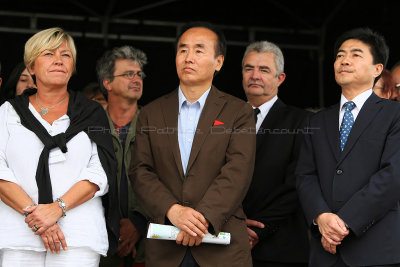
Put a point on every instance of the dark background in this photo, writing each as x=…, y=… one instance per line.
x=305, y=31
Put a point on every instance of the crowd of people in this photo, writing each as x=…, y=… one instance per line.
x=82, y=174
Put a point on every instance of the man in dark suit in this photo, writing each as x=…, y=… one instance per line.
x=348, y=174
x=193, y=159
x=276, y=225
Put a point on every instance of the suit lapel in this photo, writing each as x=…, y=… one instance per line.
x=170, y=109
x=270, y=121
x=364, y=118
x=211, y=109
x=332, y=127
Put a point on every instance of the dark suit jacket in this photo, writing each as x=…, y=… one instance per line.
x=216, y=181
x=272, y=197
x=361, y=184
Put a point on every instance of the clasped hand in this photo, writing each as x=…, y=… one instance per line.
x=43, y=217
x=332, y=229
x=192, y=224
x=129, y=236
x=185, y=239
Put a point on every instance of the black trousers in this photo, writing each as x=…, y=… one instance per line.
x=341, y=263
x=257, y=263
x=188, y=260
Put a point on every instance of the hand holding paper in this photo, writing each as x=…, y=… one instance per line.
x=169, y=232
x=185, y=239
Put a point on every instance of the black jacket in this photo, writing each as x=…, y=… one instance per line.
x=272, y=197
x=360, y=184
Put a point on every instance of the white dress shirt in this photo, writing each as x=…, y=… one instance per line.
x=358, y=100
x=84, y=226
x=264, y=109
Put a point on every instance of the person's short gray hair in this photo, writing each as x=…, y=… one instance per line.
x=106, y=64
x=268, y=47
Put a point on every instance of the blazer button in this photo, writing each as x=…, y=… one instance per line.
x=339, y=171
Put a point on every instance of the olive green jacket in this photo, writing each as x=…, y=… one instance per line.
x=133, y=205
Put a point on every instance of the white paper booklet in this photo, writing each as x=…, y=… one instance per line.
x=169, y=232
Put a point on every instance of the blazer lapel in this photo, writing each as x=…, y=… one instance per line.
x=270, y=121
x=211, y=109
x=170, y=109
x=332, y=128
x=364, y=118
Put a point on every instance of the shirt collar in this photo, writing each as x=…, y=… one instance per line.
x=264, y=108
x=358, y=100
x=183, y=100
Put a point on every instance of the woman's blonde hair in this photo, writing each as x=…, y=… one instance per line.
x=49, y=39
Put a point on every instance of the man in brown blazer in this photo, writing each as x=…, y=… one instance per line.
x=193, y=159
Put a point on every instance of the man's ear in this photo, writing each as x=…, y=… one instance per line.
x=378, y=70
x=220, y=62
x=281, y=78
x=107, y=84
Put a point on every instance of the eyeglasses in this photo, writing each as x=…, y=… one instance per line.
x=131, y=74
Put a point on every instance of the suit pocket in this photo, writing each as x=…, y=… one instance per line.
x=372, y=145
x=373, y=136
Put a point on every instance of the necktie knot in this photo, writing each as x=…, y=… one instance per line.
x=256, y=111
x=350, y=105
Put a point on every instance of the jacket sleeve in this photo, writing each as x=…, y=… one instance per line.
x=283, y=202
x=144, y=178
x=307, y=180
x=227, y=191
x=381, y=193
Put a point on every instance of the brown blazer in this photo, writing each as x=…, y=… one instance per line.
x=216, y=181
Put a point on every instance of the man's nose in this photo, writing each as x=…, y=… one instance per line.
x=255, y=75
x=189, y=57
x=345, y=60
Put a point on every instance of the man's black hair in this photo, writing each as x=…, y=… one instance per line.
x=220, y=48
x=375, y=41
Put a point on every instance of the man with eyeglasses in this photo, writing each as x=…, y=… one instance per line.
x=120, y=74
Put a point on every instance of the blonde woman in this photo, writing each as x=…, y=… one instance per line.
x=56, y=161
